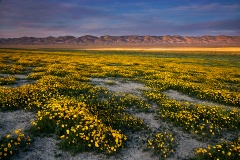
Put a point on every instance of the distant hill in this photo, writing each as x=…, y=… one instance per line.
x=132, y=40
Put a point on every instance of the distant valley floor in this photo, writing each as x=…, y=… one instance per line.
x=125, y=47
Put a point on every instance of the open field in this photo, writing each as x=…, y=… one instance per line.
x=173, y=47
x=115, y=104
x=231, y=49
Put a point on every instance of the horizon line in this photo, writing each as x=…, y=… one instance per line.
x=120, y=36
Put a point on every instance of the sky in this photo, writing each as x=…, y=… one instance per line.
x=42, y=18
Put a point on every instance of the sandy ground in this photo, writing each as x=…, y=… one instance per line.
x=12, y=120
x=120, y=86
x=45, y=148
x=182, y=97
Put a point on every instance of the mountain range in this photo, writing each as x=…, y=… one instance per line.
x=131, y=40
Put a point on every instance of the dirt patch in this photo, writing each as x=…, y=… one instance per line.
x=186, y=143
x=47, y=148
x=135, y=149
x=12, y=120
x=40, y=149
x=20, y=80
x=186, y=146
x=120, y=85
x=18, y=76
x=182, y=97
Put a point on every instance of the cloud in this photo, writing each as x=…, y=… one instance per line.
x=207, y=7
x=153, y=27
x=42, y=13
x=226, y=26
x=120, y=17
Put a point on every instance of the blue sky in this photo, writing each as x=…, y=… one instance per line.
x=42, y=18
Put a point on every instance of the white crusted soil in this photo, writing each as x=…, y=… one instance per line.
x=182, y=97
x=118, y=86
x=20, y=80
x=12, y=120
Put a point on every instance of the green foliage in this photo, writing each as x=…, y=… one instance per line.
x=162, y=144
x=12, y=143
x=226, y=150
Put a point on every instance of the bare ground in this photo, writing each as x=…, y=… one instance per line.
x=182, y=97
x=20, y=80
x=12, y=120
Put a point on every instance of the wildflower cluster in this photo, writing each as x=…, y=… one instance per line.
x=36, y=75
x=7, y=80
x=213, y=92
x=11, y=144
x=113, y=111
x=25, y=97
x=204, y=91
x=196, y=118
x=12, y=69
x=226, y=150
x=77, y=127
x=163, y=144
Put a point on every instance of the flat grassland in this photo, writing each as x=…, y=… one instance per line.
x=171, y=47
x=120, y=104
x=231, y=49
